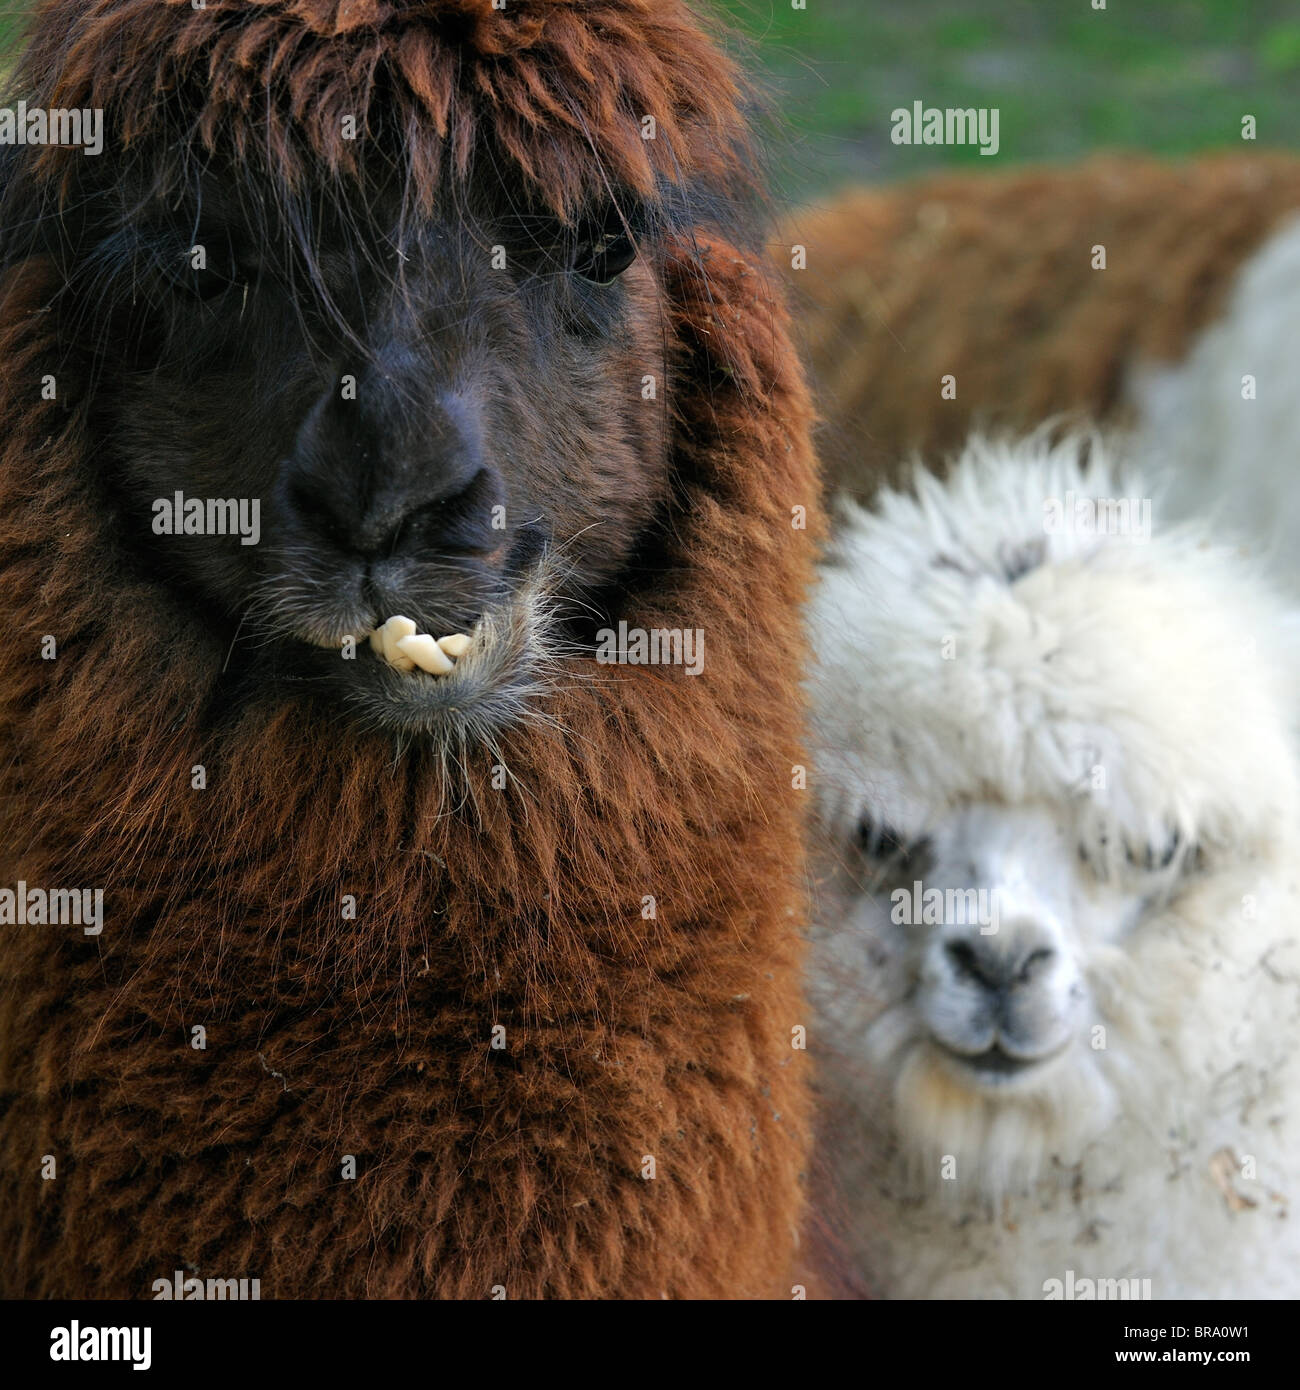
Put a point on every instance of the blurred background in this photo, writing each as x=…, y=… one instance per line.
x=1161, y=76
x=10, y=30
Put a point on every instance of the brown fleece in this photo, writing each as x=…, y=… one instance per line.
x=989, y=279
x=633, y=1031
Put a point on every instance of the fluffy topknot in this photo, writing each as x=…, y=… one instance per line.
x=554, y=82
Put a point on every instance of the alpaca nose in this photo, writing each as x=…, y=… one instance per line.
x=439, y=514
x=395, y=473
x=431, y=489
x=1001, y=962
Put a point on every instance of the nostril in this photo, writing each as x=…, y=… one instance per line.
x=966, y=961
x=1033, y=962
x=961, y=955
x=994, y=968
x=459, y=520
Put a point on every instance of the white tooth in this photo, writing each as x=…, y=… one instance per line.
x=377, y=641
x=391, y=634
x=455, y=645
x=427, y=654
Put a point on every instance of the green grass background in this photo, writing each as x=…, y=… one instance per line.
x=10, y=24
x=1169, y=76
x=1164, y=76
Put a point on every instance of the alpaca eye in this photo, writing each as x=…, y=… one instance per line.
x=205, y=271
x=881, y=843
x=604, y=251
x=1085, y=853
x=1153, y=858
x=205, y=285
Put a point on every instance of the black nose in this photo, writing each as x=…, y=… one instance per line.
x=399, y=471
x=994, y=964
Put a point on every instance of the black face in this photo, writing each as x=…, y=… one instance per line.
x=424, y=409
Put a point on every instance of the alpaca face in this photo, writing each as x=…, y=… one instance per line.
x=984, y=936
x=442, y=419
x=367, y=320
x=1001, y=993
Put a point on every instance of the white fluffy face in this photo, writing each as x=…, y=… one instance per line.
x=974, y=966
x=1036, y=751
x=998, y=926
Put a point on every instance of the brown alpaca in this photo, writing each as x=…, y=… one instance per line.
x=991, y=280
x=597, y=866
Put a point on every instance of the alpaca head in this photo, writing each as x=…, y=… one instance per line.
x=1053, y=745
x=392, y=273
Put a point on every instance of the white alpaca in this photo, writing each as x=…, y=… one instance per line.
x=1081, y=1063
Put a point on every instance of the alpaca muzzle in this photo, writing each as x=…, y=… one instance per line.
x=999, y=999
x=1000, y=1003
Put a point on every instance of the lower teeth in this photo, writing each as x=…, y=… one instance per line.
x=398, y=642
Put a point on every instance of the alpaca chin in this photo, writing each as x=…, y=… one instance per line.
x=1006, y=1141
x=500, y=680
